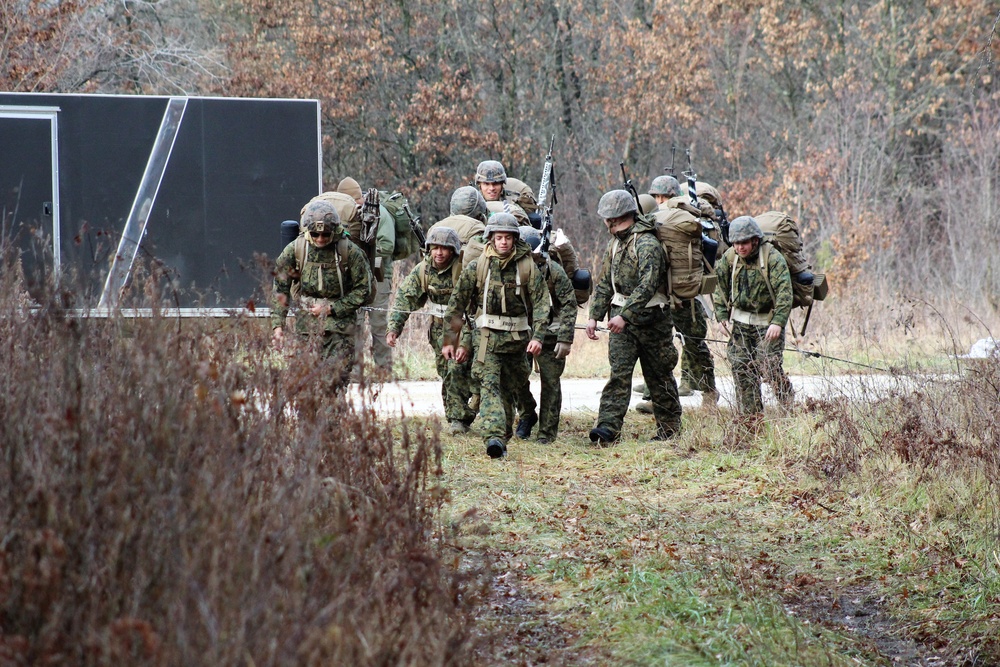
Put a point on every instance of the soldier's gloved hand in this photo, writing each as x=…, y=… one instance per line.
x=562, y=350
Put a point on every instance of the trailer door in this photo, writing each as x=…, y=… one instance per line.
x=29, y=190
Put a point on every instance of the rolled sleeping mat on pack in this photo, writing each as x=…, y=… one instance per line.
x=289, y=232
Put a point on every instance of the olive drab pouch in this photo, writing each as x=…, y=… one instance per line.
x=406, y=241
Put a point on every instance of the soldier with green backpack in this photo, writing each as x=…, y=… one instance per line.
x=393, y=240
x=330, y=279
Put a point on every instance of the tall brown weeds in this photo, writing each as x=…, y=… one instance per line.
x=169, y=495
x=934, y=424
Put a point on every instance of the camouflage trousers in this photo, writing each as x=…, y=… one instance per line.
x=697, y=366
x=336, y=339
x=652, y=346
x=753, y=361
x=378, y=319
x=500, y=374
x=550, y=371
x=455, y=378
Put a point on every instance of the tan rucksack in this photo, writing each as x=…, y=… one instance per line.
x=678, y=228
x=783, y=233
x=346, y=207
x=467, y=228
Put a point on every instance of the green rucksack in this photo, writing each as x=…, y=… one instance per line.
x=406, y=240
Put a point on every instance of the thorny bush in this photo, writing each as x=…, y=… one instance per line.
x=933, y=424
x=169, y=495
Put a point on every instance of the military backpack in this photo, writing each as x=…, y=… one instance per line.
x=783, y=233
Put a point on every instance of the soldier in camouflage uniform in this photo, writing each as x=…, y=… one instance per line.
x=491, y=179
x=757, y=307
x=334, y=281
x=690, y=319
x=385, y=242
x=559, y=331
x=433, y=279
x=508, y=294
x=635, y=270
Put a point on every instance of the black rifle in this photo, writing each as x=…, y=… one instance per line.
x=692, y=180
x=415, y=227
x=627, y=185
x=546, y=200
x=370, y=212
x=673, y=159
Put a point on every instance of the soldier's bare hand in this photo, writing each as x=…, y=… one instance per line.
x=461, y=355
x=390, y=338
x=617, y=324
x=562, y=350
x=320, y=309
x=773, y=333
x=592, y=329
x=448, y=352
x=724, y=329
x=534, y=348
x=278, y=336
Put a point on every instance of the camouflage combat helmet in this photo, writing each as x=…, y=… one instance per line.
x=320, y=216
x=469, y=201
x=647, y=203
x=531, y=236
x=616, y=203
x=490, y=171
x=744, y=228
x=502, y=222
x=445, y=237
x=665, y=185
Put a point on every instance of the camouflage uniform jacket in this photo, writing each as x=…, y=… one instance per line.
x=412, y=295
x=636, y=261
x=750, y=291
x=318, y=279
x=468, y=297
x=561, y=322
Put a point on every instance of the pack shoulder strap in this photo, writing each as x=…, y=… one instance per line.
x=765, y=256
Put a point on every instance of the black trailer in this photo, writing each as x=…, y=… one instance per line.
x=91, y=184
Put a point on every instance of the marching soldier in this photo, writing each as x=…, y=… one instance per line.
x=558, y=328
x=507, y=292
x=491, y=179
x=333, y=281
x=630, y=294
x=690, y=319
x=385, y=241
x=754, y=295
x=433, y=281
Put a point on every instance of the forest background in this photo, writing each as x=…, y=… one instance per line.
x=875, y=124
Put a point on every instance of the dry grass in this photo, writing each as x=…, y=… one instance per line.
x=165, y=499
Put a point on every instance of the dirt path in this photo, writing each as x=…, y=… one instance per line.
x=584, y=395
